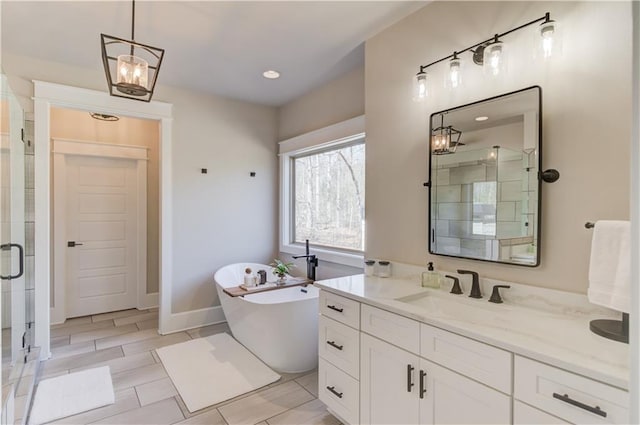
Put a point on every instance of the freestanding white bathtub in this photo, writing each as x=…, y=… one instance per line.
x=279, y=326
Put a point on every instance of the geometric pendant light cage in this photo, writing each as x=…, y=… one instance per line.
x=131, y=68
x=445, y=139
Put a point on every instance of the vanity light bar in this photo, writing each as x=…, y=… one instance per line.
x=547, y=29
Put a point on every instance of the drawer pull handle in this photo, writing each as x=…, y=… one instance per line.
x=409, y=377
x=334, y=345
x=334, y=392
x=423, y=386
x=572, y=402
x=334, y=308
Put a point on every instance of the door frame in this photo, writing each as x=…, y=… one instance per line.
x=61, y=149
x=46, y=96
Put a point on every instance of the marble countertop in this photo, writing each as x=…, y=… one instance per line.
x=545, y=325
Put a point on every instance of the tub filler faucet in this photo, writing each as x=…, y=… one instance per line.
x=312, y=262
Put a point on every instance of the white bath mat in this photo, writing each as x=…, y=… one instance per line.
x=71, y=394
x=210, y=370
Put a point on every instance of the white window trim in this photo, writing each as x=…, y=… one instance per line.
x=334, y=135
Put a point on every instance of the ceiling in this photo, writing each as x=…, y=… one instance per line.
x=217, y=47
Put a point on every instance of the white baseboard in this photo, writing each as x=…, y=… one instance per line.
x=176, y=322
x=149, y=301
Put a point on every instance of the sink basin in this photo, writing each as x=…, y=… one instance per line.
x=461, y=309
x=439, y=305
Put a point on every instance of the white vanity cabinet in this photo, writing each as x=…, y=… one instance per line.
x=398, y=386
x=339, y=352
x=379, y=367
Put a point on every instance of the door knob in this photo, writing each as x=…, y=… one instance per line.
x=72, y=244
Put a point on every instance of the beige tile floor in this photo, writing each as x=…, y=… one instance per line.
x=126, y=341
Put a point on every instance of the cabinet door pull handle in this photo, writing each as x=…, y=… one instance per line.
x=334, y=345
x=576, y=403
x=409, y=377
x=334, y=308
x=423, y=386
x=334, y=392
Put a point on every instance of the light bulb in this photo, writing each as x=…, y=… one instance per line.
x=440, y=143
x=420, y=89
x=548, y=40
x=454, y=76
x=133, y=74
x=495, y=59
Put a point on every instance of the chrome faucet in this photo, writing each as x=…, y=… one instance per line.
x=312, y=262
x=475, y=283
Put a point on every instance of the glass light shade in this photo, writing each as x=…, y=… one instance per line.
x=495, y=59
x=420, y=86
x=133, y=74
x=548, y=40
x=453, y=78
x=440, y=143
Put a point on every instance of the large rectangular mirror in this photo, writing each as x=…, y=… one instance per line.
x=484, y=179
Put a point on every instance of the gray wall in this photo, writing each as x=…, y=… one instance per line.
x=337, y=101
x=586, y=118
x=220, y=217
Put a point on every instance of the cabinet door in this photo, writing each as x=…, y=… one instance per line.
x=388, y=383
x=450, y=398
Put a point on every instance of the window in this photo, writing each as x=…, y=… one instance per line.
x=328, y=197
x=322, y=186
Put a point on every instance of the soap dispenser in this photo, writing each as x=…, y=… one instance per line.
x=431, y=278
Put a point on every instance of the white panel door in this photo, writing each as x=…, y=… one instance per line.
x=388, y=383
x=101, y=221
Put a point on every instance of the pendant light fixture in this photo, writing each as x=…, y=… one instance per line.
x=494, y=58
x=453, y=78
x=445, y=139
x=420, y=86
x=548, y=38
x=490, y=54
x=131, y=68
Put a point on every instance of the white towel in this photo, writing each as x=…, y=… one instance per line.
x=610, y=265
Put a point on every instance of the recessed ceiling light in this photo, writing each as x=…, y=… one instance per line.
x=271, y=74
x=483, y=118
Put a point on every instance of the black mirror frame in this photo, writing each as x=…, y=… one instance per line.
x=431, y=226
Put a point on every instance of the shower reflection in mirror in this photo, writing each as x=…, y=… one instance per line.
x=484, y=162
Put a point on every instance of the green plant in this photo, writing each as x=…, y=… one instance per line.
x=280, y=268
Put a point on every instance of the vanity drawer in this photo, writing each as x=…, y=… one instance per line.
x=340, y=308
x=340, y=345
x=479, y=361
x=523, y=414
x=572, y=397
x=390, y=327
x=339, y=391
